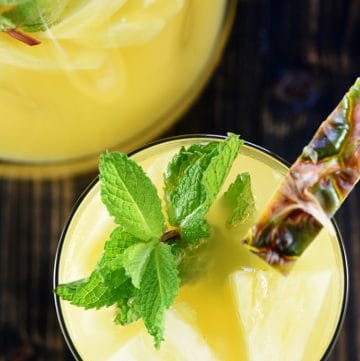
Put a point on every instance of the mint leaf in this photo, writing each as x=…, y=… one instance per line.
x=6, y=24
x=158, y=288
x=192, y=182
x=128, y=310
x=111, y=261
x=92, y=292
x=106, y=283
x=118, y=242
x=130, y=196
x=240, y=199
x=184, y=193
x=34, y=15
x=8, y=4
x=135, y=260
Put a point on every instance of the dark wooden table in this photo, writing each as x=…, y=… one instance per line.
x=286, y=66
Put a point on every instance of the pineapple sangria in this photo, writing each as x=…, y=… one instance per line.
x=152, y=263
x=116, y=72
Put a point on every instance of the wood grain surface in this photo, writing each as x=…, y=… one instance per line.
x=286, y=65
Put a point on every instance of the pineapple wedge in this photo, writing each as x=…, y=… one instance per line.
x=314, y=188
x=278, y=314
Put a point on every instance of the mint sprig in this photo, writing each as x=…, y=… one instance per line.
x=138, y=271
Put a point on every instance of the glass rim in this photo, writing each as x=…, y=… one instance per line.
x=264, y=150
x=62, y=167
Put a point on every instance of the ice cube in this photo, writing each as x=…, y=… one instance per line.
x=182, y=343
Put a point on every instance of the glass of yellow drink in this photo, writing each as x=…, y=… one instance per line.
x=236, y=307
x=116, y=72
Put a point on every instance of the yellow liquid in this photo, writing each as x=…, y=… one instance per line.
x=112, y=73
x=236, y=308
